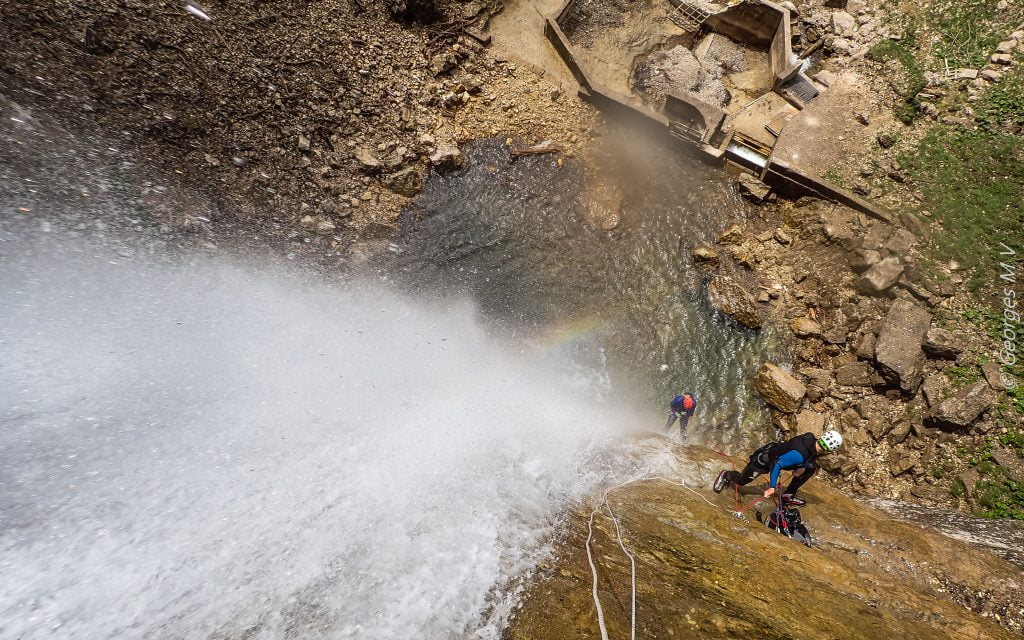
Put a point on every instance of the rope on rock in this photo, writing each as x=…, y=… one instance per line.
x=593, y=572
x=632, y=559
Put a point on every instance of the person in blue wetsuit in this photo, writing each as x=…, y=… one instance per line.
x=796, y=454
x=681, y=408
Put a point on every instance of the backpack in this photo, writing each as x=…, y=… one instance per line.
x=763, y=455
x=787, y=521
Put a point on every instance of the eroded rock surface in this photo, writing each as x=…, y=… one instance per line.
x=701, y=573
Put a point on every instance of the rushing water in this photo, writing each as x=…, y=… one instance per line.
x=202, y=450
x=194, y=447
x=629, y=303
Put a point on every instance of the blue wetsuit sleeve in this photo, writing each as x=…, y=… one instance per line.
x=789, y=459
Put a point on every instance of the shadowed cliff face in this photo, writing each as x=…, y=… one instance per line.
x=703, y=573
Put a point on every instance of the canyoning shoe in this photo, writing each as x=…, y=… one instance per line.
x=721, y=482
x=792, y=501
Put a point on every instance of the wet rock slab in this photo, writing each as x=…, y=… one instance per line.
x=701, y=573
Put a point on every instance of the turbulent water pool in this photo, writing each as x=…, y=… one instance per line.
x=627, y=305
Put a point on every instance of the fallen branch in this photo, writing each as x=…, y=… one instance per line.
x=536, y=150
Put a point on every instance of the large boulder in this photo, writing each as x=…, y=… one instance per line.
x=880, y=277
x=727, y=296
x=963, y=409
x=898, y=347
x=779, y=389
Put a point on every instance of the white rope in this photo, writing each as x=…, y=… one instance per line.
x=632, y=568
x=593, y=572
x=632, y=560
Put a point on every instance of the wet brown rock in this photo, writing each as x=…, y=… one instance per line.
x=779, y=389
x=805, y=327
x=703, y=574
x=728, y=297
x=705, y=254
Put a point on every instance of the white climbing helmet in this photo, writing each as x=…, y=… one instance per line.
x=830, y=440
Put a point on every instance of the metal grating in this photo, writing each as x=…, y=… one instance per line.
x=688, y=16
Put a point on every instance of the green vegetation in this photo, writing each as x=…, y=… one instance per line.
x=957, y=488
x=970, y=30
x=991, y=322
x=832, y=175
x=961, y=376
x=1001, y=496
x=1013, y=440
x=998, y=494
x=1002, y=106
x=972, y=182
x=908, y=86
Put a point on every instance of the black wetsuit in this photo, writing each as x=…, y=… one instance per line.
x=796, y=453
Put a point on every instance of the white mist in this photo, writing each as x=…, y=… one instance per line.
x=201, y=451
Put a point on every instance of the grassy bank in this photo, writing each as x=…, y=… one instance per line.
x=965, y=180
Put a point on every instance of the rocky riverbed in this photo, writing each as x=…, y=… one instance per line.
x=882, y=351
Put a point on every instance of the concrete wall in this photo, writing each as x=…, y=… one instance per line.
x=752, y=21
x=789, y=180
x=781, y=52
x=696, y=115
x=757, y=21
x=560, y=42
